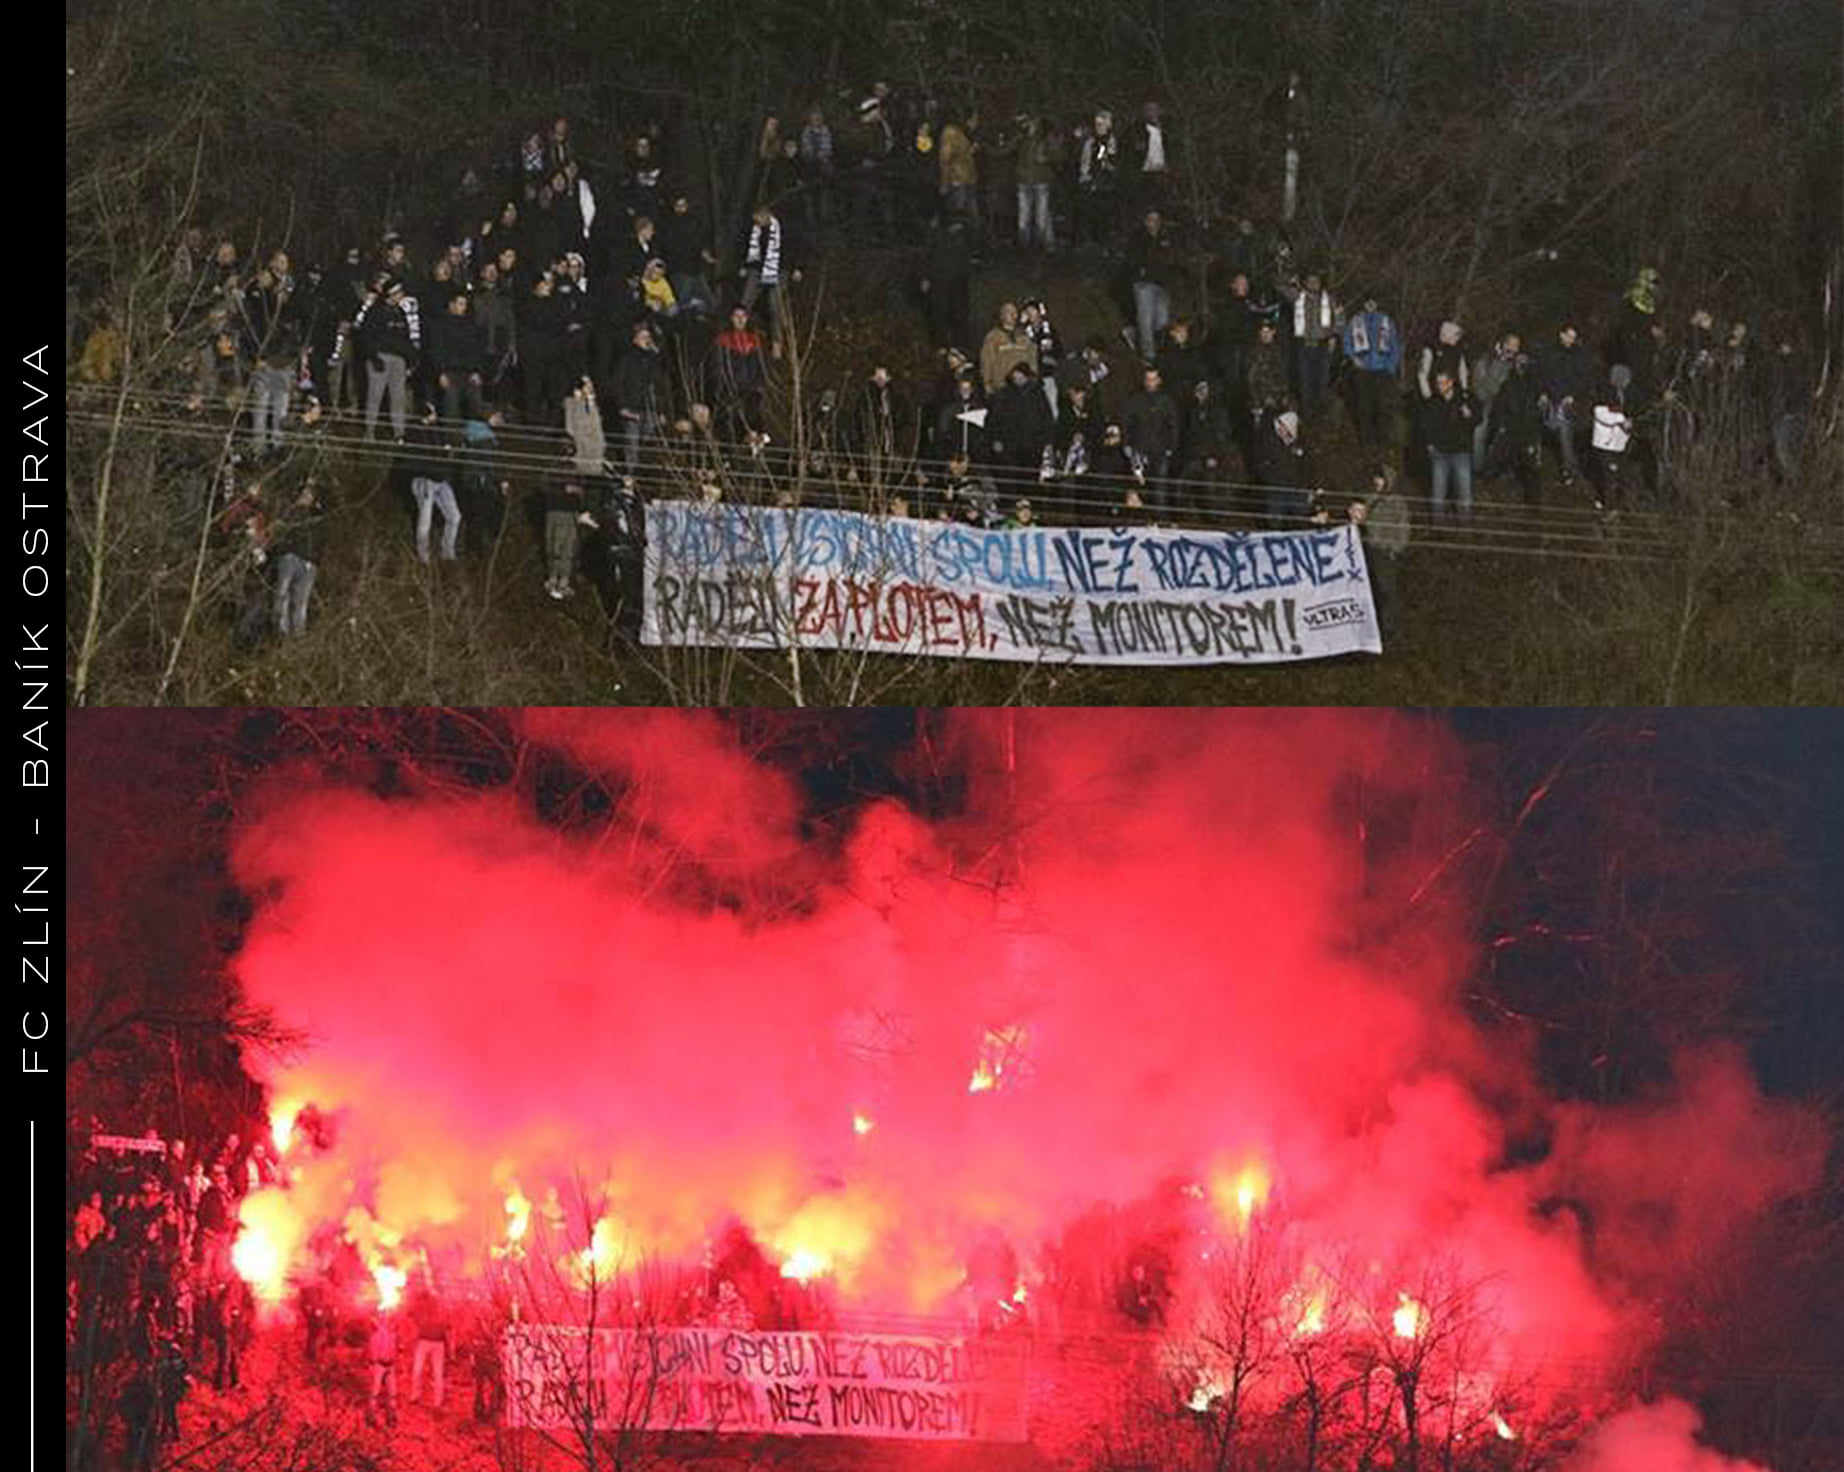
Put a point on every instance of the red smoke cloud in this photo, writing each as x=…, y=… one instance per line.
x=1654, y=1438
x=1176, y=945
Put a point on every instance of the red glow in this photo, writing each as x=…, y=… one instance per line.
x=1174, y=947
x=269, y=1233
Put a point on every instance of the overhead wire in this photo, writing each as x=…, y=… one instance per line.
x=998, y=473
x=1503, y=529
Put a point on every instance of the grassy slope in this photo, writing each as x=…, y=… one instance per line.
x=1470, y=629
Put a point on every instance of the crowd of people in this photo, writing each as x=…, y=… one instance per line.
x=152, y=1288
x=149, y=1278
x=580, y=332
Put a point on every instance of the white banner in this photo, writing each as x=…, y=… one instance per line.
x=764, y=578
x=779, y=1383
x=140, y=1143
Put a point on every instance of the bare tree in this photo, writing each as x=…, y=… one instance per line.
x=1239, y=1328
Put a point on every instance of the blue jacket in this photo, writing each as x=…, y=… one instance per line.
x=1372, y=342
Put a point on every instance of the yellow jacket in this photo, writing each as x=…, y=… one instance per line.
x=955, y=150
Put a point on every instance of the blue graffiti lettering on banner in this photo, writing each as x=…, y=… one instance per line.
x=1238, y=563
x=1018, y=560
x=1097, y=561
x=694, y=537
x=865, y=546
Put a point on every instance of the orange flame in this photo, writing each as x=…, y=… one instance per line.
x=282, y=1116
x=1239, y=1194
x=601, y=1259
x=829, y=1234
x=269, y=1231
x=804, y=1264
x=518, y=1215
x=390, y=1280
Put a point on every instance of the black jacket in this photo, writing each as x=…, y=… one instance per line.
x=493, y=312
x=1208, y=434
x=541, y=327
x=1266, y=373
x=1181, y=367
x=271, y=328
x=1021, y=421
x=383, y=328
x=1089, y=424
x=640, y=382
x=457, y=344
x=683, y=240
x=954, y=436
x=1232, y=329
x=882, y=421
x=429, y=452
x=1280, y=464
x=1565, y=373
x=1152, y=257
x=302, y=532
x=1447, y=423
x=1151, y=426
x=1517, y=418
x=1137, y=139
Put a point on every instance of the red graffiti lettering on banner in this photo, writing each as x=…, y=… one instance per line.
x=905, y=615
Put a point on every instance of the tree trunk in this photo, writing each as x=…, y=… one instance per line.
x=1411, y=1424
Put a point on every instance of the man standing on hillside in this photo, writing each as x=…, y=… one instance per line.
x=1152, y=266
x=1447, y=420
x=458, y=353
x=381, y=1359
x=1373, y=346
x=430, y=1316
x=1152, y=425
x=1007, y=345
x=390, y=337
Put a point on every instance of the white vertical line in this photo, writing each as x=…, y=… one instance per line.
x=32, y=1288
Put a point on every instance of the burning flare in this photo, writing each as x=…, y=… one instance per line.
x=282, y=1116
x=518, y=1215
x=601, y=1259
x=390, y=1280
x=803, y=1264
x=1407, y=1318
x=1241, y=1193
x=269, y=1231
x=1503, y=1428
